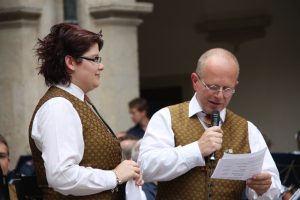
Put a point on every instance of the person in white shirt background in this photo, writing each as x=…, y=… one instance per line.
x=71, y=65
x=214, y=83
x=297, y=138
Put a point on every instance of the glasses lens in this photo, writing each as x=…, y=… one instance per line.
x=228, y=91
x=97, y=59
x=3, y=155
x=214, y=88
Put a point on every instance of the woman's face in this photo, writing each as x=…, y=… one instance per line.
x=86, y=74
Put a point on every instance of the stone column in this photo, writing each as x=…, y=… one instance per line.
x=21, y=23
x=118, y=20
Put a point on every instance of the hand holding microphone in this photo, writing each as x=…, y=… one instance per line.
x=211, y=140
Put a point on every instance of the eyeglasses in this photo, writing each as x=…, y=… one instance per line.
x=227, y=91
x=3, y=155
x=96, y=59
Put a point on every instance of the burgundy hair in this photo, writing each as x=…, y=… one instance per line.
x=64, y=39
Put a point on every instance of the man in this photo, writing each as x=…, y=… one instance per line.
x=177, y=143
x=127, y=143
x=4, y=155
x=297, y=137
x=138, y=109
x=4, y=166
x=7, y=191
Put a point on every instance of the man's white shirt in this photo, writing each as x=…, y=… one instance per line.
x=160, y=160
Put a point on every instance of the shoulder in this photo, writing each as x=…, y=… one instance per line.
x=56, y=103
x=179, y=105
x=162, y=116
x=54, y=107
x=231, y=114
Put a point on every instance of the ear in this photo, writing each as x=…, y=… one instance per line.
x=194, y=79
x=70, y=63
x=237, y=82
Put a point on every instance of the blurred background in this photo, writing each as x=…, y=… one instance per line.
x=150, y=50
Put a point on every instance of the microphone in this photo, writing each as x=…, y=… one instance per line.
x=215, y=120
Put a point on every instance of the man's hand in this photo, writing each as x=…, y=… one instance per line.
x=211, y=140
x=260, y=183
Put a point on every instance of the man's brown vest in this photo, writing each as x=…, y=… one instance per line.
x=193, y=185
x=101, y=149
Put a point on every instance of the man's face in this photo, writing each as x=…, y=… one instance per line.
x=4, y=159
x=219, y=71
x=136, y=115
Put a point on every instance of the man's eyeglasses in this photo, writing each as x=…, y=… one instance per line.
x=96, y=59
x=227, y=91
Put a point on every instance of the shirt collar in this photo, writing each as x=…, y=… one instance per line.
x=73, y=89
x=195, y=108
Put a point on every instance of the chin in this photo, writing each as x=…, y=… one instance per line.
x=96, y=84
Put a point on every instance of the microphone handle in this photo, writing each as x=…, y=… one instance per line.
x=215, y=119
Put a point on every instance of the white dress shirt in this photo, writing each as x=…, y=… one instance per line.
x=160, y=160
x=57, y=133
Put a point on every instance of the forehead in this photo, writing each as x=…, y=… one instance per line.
x=134, y=109
x=94, y=49
x=220, y=66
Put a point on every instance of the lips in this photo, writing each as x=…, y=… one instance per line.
x=215, y=103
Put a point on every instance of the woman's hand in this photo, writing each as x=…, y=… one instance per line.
x=127, y=170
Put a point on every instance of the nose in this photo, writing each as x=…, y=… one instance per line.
x=219, y=93
x=101, y=66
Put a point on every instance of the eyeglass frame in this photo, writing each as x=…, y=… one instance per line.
x=98, y=61
x=3, y=155
x=218, y=88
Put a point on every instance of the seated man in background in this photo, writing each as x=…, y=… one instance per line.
x=297, y=137
x=138, y=109
x=4, y=156
x=4, y=168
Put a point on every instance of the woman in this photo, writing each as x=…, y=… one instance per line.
x=75, y=153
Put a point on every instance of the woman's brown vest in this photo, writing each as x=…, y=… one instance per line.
x=101, y=149
x=193, y=185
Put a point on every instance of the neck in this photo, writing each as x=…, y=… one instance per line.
x=144, y=123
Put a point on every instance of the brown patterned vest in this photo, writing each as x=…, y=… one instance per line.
x=193, y=185
x=101, y=149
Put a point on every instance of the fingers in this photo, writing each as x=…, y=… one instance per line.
x=215, y=129
x=137, y=170
x=260, y=183
x=262, y=176
x=128, y=169
x=131, y=162
x=259, y=188
x=139, y=181
x=211, y=140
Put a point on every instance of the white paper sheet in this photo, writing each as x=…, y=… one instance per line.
x=239, y=166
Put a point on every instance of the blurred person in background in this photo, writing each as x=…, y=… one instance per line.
x=138, y=110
